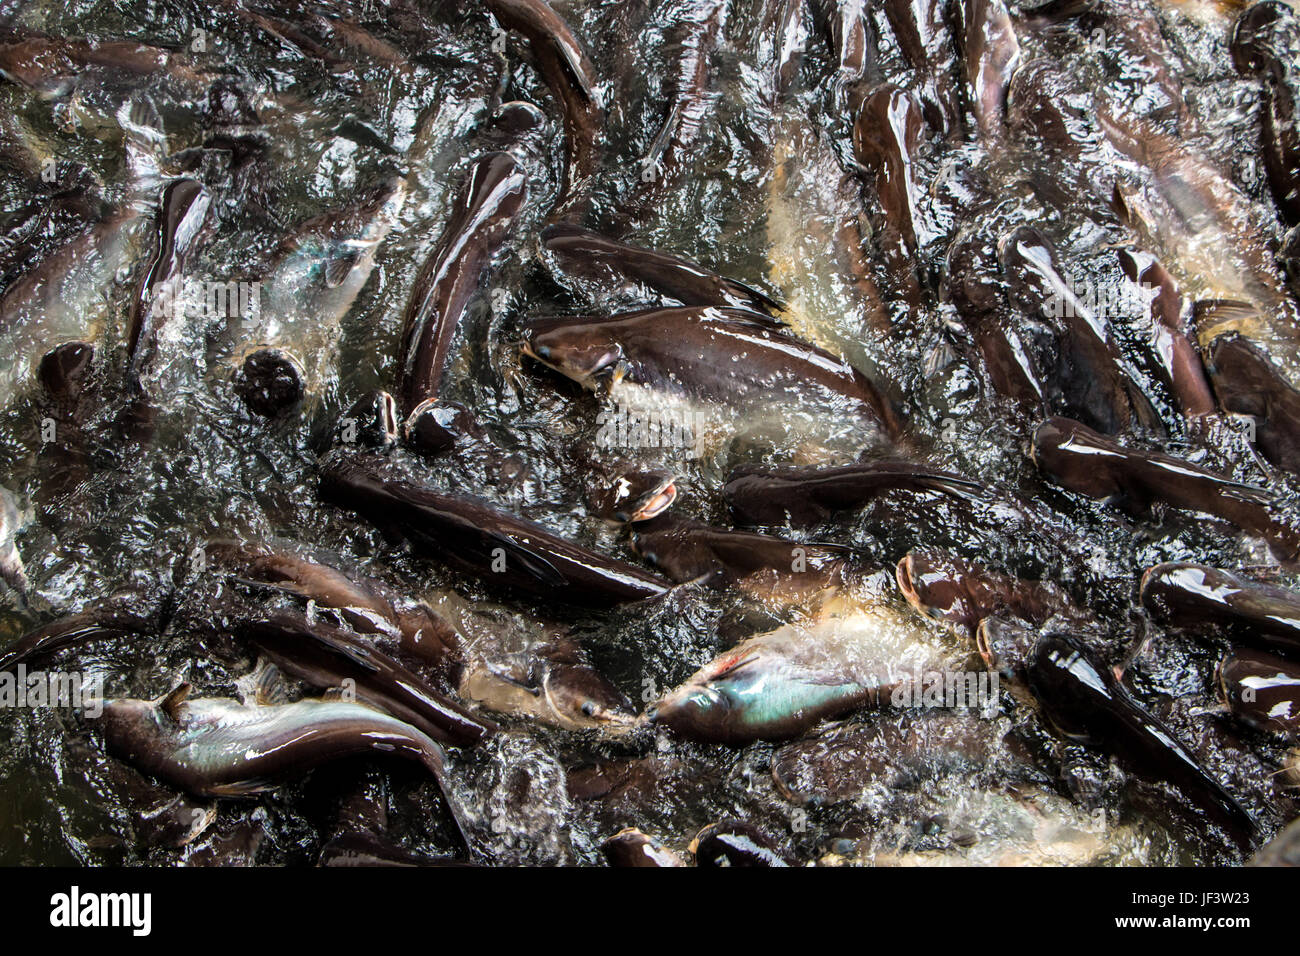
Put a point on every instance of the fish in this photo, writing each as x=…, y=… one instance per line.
x=801, y=496
x=921, y=31
x=974, y=285
x=113, y=617
x=12, y=571
x=719, y=355
x=63, y=297
x=688, y=550
x=736, y=843
x=438, y=428
x=1044, y=103
x=963, y=593
x=1172, y=344
x=372, y=421
x=326, y=656
x=569, y=74
x=1078, y=458
x=472, y=535
x=553, y=684
x=67, y=377
x=1247, y=382
x=217, y=747
x=1089, y=380
x=1183, y=594
x=1266, y=43
x=777, y=685
x=182, y=212
x=1005, y=646
x=363, y=604
x=692, y=37
x=631, y=847
x=580, y=252
x=1261, y=690
x=1205, y=231
x=54, y=66
x=990, y=55
x=1085, y=702
x=484, y=213
x=631, y=496
x=291, y=317
x=852, y=46
x=272, y=382
x=886, y=136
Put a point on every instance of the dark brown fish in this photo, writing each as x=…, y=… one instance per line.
x=991, y=53
x=1089, y=380
x=497, y=548
x=326, y=657
x=803, y=496
x=181, y=220
x=720, y=355
x=569, y=74
x=886, y=135
x=1247, y=382
x=1262, y=690
x=1082, y=460
x=52, y=65
x=973, y=283
x=963, y=593
x=921, y=30
x=1043, y=104
x=112, y=618
x=1197, y=597
x=1173, y=345
x=634, y=495
x=691, y=37
x=1085, y=702
x=363, y=604
x=1266, y=43
x=853, y=47
x=581, y=251
x=631, y=847
x=736, y=843
x=688, y=550
x=482, y=218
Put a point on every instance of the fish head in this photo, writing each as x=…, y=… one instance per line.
x=1004, y=645
x=699, y=710
x=133, y=728
x=718, y=701
x=582, y=697
x=637, y=495
x=936, y=589
x=669, y=545
x=582, y=352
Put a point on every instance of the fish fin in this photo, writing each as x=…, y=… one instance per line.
x=571, y=60
x=759, y=296
x=338, y=268
x=171, y=703
x=530, y=560
x=267, y=684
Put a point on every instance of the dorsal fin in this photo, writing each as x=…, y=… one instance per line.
x=171, y=703
x=268, y=684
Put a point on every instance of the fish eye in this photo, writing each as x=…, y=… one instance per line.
x=588, y=709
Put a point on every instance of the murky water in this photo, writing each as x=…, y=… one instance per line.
x=767, y=193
